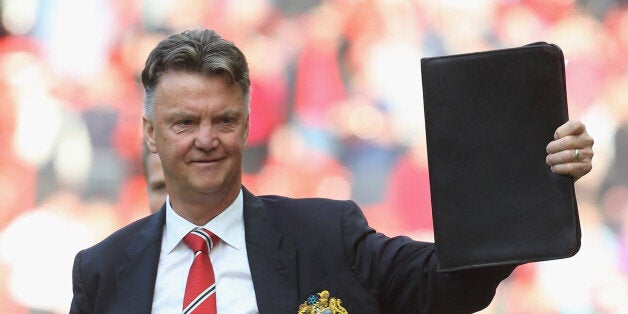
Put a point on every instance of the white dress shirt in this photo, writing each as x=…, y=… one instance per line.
x=234, y=286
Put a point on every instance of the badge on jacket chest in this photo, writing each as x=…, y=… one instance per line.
x=322, y=303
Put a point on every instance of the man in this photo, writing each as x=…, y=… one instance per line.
x=272, y=254
x=155, y=182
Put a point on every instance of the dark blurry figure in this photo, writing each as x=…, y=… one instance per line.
x=156, y=184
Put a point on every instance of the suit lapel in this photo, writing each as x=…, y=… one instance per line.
x=135, y=280
x=272, y=262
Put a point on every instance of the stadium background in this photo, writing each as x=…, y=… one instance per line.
x=336, y=112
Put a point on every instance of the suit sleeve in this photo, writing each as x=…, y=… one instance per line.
x=402, y=272
x=80, y=302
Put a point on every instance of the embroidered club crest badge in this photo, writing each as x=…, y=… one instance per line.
x=321, y=303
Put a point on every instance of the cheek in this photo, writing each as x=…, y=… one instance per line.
x=170, y=157
x=232, y=141
x=174, y=144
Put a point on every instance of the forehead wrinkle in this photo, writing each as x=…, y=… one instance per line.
x=183, y=89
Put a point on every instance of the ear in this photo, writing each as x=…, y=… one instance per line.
x=149, y=134
x=246, y=132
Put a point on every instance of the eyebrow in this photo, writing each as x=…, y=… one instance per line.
x=178, y=115
x=185, y=115
x=230, y=112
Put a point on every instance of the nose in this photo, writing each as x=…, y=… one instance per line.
x=206, y=138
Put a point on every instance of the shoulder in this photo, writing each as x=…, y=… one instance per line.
x=114, y=248
x=311, y=210
x=120, y=237
x=297, y=203
x=318, y=218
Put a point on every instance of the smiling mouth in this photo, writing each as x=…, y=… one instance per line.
x=208, y=161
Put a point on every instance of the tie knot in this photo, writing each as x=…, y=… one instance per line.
x=200, y=240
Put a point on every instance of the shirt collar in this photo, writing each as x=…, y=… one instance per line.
x=228, y=226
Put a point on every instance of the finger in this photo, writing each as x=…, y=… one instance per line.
x=570, y=127
x=574, y=169
x=576, y=155
x=569, y=156
x=568, y=142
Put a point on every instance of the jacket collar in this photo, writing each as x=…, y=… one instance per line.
x=271, y=259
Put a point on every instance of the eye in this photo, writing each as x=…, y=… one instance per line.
x=183, y=123
x=226, y=120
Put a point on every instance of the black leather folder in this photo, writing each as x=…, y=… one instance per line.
x=488, y=118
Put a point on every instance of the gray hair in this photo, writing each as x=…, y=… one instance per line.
x=195, y=51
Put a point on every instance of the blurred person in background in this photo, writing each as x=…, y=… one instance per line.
x=197, y=119
x=38, y=260
x=132, y=28
x=154, y=175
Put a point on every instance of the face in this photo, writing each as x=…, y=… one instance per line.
x=199, y=129
x=156, y=184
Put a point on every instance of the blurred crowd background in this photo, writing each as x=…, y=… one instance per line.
x=336, y=112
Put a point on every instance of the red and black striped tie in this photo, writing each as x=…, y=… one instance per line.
x=200, y=290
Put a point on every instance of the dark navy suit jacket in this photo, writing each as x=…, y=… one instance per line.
x=296, y=248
